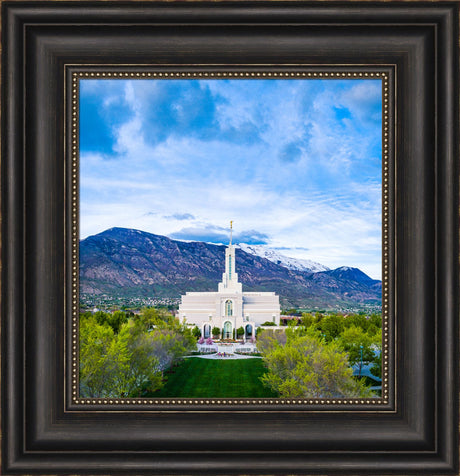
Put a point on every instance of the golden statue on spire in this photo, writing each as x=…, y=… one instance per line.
x=231, y=231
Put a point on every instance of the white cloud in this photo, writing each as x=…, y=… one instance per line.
x=326, y=200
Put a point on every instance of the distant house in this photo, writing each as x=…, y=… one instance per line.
x=229, y=308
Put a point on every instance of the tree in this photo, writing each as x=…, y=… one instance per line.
x=148, y=318
x=357, y=320
x=267, y=340
x=240, y=331
x=131, y=361
x=116, y=320
x=306, y=368
x=215, y=332
x=101, y=317
x=376, y=319
x=353, y=340
x=307, y=319
x=331, y=326
x=85, y=315
x=318, y=316
x=291, y=312
x=143, y=367
x=196, y=332
x=376, y=369
x=95, y=340
x=115, y=365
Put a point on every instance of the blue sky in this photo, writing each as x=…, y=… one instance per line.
x=296, y=164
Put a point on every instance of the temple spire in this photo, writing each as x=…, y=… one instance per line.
x=230, y=277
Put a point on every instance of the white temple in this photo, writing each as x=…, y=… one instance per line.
x=229, y=308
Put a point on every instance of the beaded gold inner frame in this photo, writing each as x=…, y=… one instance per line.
x=75, y=73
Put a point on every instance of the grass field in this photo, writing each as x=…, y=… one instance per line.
x=205, y=378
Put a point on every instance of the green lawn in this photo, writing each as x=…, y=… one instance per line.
x=205, y=378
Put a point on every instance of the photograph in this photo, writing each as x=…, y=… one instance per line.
x=230, y=237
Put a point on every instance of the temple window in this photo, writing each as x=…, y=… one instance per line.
x=229, y=308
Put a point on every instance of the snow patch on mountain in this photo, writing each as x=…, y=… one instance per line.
x=285, y=261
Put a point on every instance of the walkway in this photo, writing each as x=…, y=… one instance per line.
x=227, y=356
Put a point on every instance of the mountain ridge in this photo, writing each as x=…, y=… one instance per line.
x=129, y=262
x=296, y=264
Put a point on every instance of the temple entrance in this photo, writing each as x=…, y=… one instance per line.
x=248, y=331
x=227, y=331
x=206, y=331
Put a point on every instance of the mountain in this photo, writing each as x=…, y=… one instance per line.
x=351, y=274
x=132, y=263
x=285, y=261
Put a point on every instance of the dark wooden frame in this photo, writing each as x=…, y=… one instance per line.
x=42, y=431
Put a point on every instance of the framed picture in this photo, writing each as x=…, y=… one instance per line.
x=165, y=167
